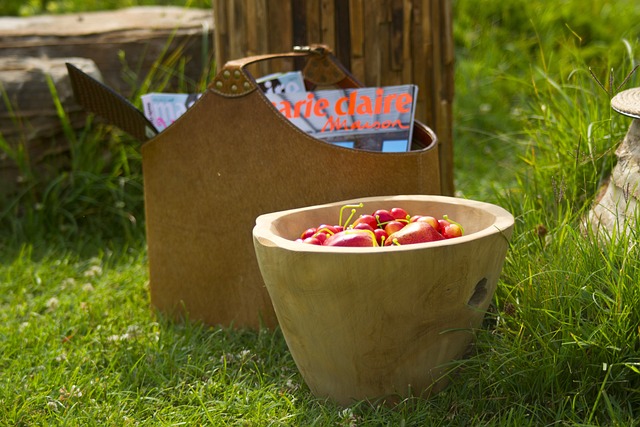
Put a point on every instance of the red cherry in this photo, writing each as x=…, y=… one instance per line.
x=366, y=219
x=308, y=233
x=312, y=241
x=451, y=231
x=327, y=228
x=399, y=213
x=321, y=237
x=383, y=217
x=381, y=235
x=363, y=226
x=393, y=226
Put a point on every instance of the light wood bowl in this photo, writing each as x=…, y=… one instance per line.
x=381, y=322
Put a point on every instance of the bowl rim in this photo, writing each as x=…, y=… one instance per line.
x=263, y=233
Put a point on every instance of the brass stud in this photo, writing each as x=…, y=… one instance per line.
x=247, y=86
x=234, y=88
x=226, y=74
x=237, y=74
x=219, y=84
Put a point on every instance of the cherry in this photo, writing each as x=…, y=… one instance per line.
x=393, y=226
x=399, y=214
x=308, y=232
x=381, y=235
x=366, y=219
x=363, y=226
x=312, y=241
x=383, y=217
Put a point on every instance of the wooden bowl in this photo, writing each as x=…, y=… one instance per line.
x=381, y=322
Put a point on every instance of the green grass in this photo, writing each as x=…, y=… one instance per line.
x=80, y=345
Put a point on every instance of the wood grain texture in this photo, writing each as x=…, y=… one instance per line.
x=381, y=323
x=140, y=35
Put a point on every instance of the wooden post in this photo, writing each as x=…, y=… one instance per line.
x=382, y=42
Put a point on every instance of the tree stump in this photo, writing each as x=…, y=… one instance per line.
x=616, y=209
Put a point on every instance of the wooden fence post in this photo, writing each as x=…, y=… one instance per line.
x=383, y=42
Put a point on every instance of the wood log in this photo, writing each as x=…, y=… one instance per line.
x=117, y=47
x=32, y=114
x=31, y=119
x=137, y=36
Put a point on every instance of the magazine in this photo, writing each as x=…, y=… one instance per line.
x=371, y=118
x=290, y=82
x=162, y=109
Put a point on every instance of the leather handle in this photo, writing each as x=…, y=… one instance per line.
x=298, y=51
x=322, y=68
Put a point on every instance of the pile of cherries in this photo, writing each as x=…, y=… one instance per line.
x=382, y=228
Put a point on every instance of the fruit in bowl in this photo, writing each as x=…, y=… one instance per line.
x=376, y=321
x=382, y=227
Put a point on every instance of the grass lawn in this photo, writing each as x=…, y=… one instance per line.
x=534, y=133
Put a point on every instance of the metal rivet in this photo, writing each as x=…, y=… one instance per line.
x=236, y=73
x=226, y=74
x=247, y=85
x=234, y=88
x=219, y=84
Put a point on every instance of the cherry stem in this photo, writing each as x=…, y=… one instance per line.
x=323, y=230
x=446, y=218
x=353, y=211
x=395, y=242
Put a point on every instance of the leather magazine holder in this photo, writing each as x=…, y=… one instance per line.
x=231, y=157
